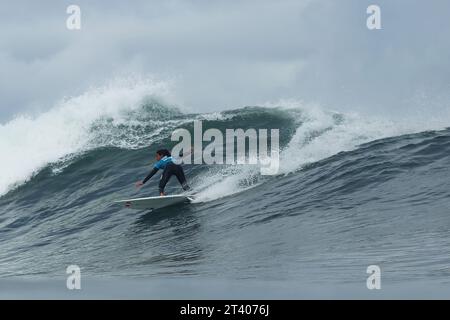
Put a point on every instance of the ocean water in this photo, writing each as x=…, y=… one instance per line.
x=351, y=192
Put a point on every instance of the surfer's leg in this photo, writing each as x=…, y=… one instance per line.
x=167, y=173
x=179, y=173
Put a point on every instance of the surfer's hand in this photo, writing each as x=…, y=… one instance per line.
x=139, y=184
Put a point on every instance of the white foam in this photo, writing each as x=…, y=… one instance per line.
x=225, y=182
x=29, y=143
x=325, y=133
x=320, y=134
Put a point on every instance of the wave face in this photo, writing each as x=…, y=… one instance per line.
x=352, y=193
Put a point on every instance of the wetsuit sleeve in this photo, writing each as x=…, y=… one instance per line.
x=154, y=170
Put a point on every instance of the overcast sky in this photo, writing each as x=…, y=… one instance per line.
x=224, y=54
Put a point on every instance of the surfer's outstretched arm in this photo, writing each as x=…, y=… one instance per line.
x=151, y=174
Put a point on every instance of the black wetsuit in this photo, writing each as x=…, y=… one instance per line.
x=170, y=169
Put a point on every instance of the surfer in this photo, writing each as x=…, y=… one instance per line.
x=167, y=164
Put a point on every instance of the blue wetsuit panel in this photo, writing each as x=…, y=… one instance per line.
x=161, y=164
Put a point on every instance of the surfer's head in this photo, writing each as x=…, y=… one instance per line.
x=162, y=153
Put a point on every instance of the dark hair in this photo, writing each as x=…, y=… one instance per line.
x=163, y=153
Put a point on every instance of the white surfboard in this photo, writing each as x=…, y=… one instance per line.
x=154, y=202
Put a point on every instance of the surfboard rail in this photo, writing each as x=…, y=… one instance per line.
x=152, y=203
